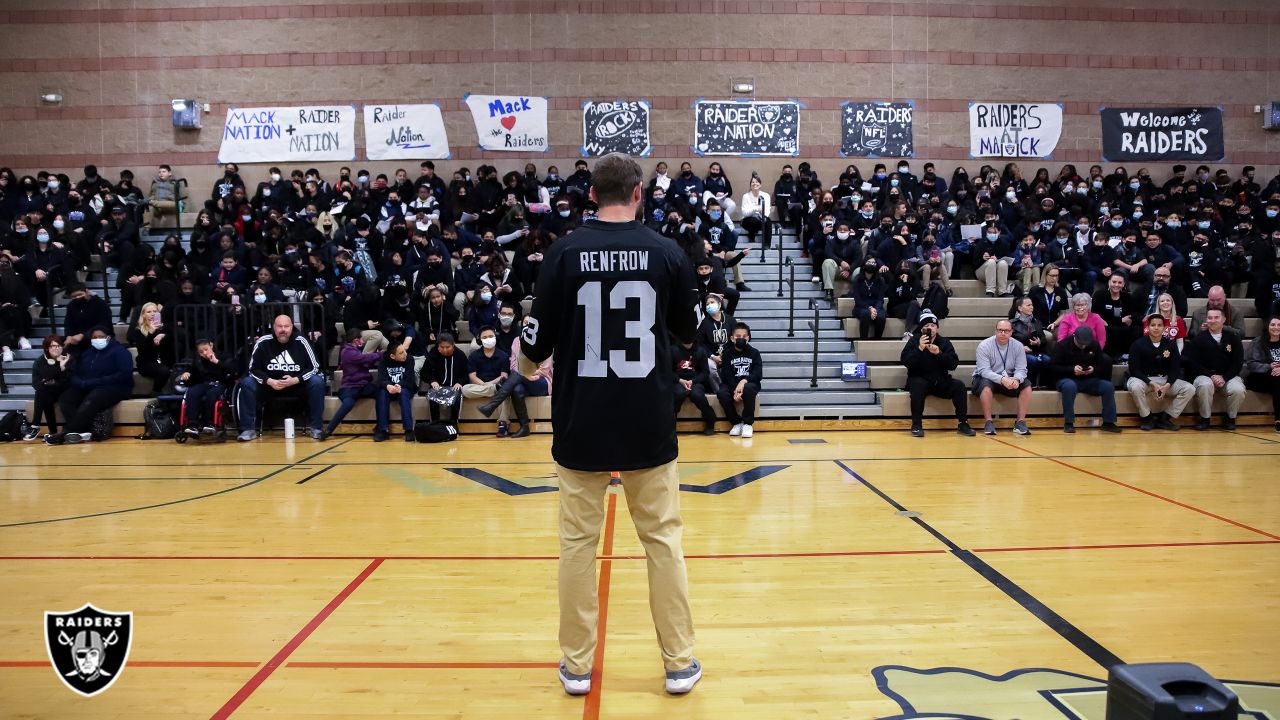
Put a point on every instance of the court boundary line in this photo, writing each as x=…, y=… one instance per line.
x=300, y=637
x=1241, y=433
x=1078, y=638
x=591, y=706
x=1135, y=488
x=316, y=474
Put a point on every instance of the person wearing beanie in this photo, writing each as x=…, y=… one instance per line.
x=929, y=359
x=1080, y=366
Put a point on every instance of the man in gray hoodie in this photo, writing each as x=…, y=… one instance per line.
x=1001, y=366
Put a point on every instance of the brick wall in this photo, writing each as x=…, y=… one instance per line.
x=118, y=67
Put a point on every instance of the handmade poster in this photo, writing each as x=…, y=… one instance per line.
x=877, y=129
x=1162, y=134
x=289, y=134
x=615, y=126
x=1014, y=130
x=512, y=123
x=746, y=127
x=405, y=132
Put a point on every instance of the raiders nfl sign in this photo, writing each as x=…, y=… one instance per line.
x=88, y=647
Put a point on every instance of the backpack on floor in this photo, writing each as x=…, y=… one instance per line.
x=103, y=424
x=13, y=426
x=158, y=421
x=426, y=431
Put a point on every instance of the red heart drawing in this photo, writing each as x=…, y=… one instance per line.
x=509, y=122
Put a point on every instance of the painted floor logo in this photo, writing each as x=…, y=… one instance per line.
x=951, y=693
x=88, y=647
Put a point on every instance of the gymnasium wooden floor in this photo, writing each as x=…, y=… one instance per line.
x=294, y=579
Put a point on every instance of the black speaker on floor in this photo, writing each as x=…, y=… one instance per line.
x=1167, y=691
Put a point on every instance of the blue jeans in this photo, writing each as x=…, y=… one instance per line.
x=250, y=390
x=348, y=397
x=1069, y=387
x=384, y=409
x=200, y=401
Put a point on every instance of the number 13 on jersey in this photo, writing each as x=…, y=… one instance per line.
x=599, y=358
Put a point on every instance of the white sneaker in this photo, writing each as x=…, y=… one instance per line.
x=6, y=355
x=574, y=684
x=736, y=430
x=682, y=681
x=24, y=344
x=747, y=431
x=74, y=438
x=815, y=279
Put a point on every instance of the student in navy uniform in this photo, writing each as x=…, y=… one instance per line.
x=741, y=371
x=607, y=297
x=396, y=381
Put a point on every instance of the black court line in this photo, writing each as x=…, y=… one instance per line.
x=316, y=474
x=241, y=486
x=1253, y=437
x=1042, y=612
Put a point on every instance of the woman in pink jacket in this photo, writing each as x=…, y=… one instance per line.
x=1082, y=315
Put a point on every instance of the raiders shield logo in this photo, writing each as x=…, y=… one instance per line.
x=88, y=647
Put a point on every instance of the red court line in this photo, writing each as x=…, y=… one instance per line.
x=1138, y=489
x=284, y=653
x=1123, y=546
x=422, y=665
x=591, y=708
x=145, y=664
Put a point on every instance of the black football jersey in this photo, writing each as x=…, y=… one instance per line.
x=609, y=297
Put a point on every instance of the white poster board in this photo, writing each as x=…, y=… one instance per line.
x=510, y=123
x=289, y=134
x=405, y=132
x=1014, y=130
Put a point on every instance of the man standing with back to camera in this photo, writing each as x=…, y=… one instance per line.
x=607, y=296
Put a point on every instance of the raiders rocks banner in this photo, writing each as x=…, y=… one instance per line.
x=88, y=647
x=1160, y=134
x=1014, y=130
x=746, y=127
x=877, y=129
x=615, y=126
x=513, y=123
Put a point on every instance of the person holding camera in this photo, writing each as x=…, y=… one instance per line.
x=929, y=359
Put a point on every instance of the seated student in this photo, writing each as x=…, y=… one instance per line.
x=1028, y=331
x=50, y=378
x=357, y=376
x=1001, y=366
x=489, y=368
x=1264, y=366
x=1080, y=366
x=842, y=256
x=1155, y=371
x=1116, y=308
x=447, y=369
x=1215, y=358
x=711, y=282
x=508, y=329
x=741, y=371
x=483, y=310
x=284, y=363
x=207, y=380
x=436, y=317
x=868, y=295
x=518, y=386
x=713, y=334
x=154, y=345
x=15, y=319
x=693, y=383
x=396, y=379
x=929, y=359
x=1027, y=264
x=100, y=379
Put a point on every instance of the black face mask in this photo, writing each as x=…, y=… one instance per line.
x=740, y=343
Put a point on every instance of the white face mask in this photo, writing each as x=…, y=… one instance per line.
x=99, y=343
x=842, y=235
x=712, y=308
x=275, y=177
x=489, y=343
x=506, y=320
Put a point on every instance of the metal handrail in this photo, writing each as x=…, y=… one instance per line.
x=813, y=325
x=780, y=258
x=791, y=304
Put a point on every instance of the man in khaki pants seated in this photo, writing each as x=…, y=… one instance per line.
x=1155, y=373
x=609, y=298
x=162, y=201
x=1215, y=357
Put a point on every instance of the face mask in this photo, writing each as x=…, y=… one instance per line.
x=275, y=177
x=564, y=213
x=1270, y=214
x=489, y=343
x=713, y=308
x=21, y=230
x=468, y=259
x=42, y=237
x=880, y=175
x=59, y=224
x=686, y=173
x=869, y=269
x=1117, y=223
x=486, y=297
x=1174, y=224
x=259, y=299
x=1062, y=240
x=54, y=184
x=855, y=198
x=246, y=218
x=1134, y=185
x=904, y=170
x=99, y=343
x=740, y=343
x=952, y=209
x=868, y=214
x=506, y=320
x=1011, y=196
x=992, y=238
x=893, y=182
x=714, y=214
x=1137, y=214
x=1203, y=224
x=842, y=235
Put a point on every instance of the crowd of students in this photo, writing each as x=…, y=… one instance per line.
x=418, y=254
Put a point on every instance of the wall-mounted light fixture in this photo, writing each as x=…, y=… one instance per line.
x=51, y=98
x=744, y=86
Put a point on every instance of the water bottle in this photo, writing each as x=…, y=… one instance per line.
x=288, y=428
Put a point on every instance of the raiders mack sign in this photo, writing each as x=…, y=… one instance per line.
x=88, y=647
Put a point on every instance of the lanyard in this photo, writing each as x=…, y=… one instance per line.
x=1004, y=358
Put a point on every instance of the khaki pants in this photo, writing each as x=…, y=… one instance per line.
x=1234, y=390
x=653, y=497
x=1028, y=278
x=160, y=209
x=487, y=390
x=1180, y=393
x=928, y=273
x=830, y=269
x=995, y=274
x=374, y=341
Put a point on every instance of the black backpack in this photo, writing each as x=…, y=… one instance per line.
x=434, y=432
x=158, y=421
x=104, y=423
x=13, y=426
x=935, y=300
